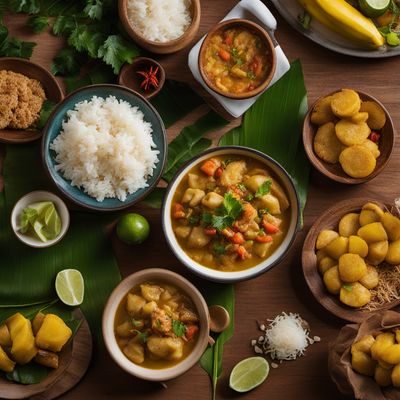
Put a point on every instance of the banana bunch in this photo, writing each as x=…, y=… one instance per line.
x=344, y=19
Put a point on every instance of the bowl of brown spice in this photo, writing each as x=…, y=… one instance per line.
x=26, y=89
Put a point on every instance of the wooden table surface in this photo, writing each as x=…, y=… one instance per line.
x=283, y=288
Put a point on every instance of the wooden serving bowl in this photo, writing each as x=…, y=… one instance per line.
x=130, y=78
x=51, y=87
x=335, y=171
x=171, y=46
x=74, y=361
x=330, y=220
x=262, y=33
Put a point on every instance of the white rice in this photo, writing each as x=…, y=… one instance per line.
x=160, y=20
x=106, y=148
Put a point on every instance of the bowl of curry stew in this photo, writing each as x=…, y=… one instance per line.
x=237, y=59
x=156, y=324
x=231, y=214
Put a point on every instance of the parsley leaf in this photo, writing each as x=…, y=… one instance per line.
x=136, y=323
x=67, y=62
x=38, y=24
x=264, y=188
x=178, y=327
x=242, y=187
x=47, y=108
x=143, y=336
x=25, y=6
x=219, y=248
x=115, y=51
x=194, y=219
x=94, y=9
x=206, y=219
x=87, y=38
x=64, y=25
x=304, y=19
x=230, y=210
x=12, y=47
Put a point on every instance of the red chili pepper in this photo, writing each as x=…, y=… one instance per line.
x=150, y=79
x=374, y=136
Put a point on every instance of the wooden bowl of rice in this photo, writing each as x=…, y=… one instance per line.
x=168, y=31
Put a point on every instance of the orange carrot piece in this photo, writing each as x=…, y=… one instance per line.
x=228, y=232
x=191, y=331
x=178, y=211
x=242, y=253
x=229, y=40
x=237, y=238
x=218, y=172
x=270, y=228
x=224, y=55
x=209, y=167
x=264, y=239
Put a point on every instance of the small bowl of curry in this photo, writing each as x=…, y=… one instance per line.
x=231, y=214
x=237, y=59
x=156, y=325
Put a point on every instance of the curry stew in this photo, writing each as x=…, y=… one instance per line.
x=230, y=214
x=156, y=325
x=236, y=60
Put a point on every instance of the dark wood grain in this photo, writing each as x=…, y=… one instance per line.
x=335, y=171
x=330, y=220
x=284, y=287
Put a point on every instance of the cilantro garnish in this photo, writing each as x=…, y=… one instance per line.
x=136, y=323
x=193, y=219
x=219, y=248
x=230, y=210
x=143, y=336
x=242, y=187
x=178, y=327
x=264, y=188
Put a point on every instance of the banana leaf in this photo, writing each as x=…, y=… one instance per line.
x=274, y=126
x=26, y=274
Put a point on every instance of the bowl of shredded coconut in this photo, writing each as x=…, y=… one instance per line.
x=161, y=26
x=104, y=147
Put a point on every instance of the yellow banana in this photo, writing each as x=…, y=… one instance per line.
x=342, y=18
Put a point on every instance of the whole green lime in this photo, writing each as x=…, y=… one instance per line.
x=133, y=228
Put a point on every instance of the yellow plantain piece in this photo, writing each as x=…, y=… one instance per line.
x=53, y=334
x=344, y=19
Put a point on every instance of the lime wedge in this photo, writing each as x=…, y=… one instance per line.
x=70, y=287
x=41, y=207
x=49, y=211
x=374, y=8
x=248, y=374
x=53, y=223
x=38, y=229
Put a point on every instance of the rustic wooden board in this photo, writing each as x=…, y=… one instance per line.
x=284, y=287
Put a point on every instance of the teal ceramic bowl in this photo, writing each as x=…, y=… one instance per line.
x=53, y=129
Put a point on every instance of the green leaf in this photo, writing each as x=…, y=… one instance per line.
x=25, y=6
x=38, y=24
x=155, y=198
x=28, y=374
x=87, y=38
x=178, y=327
x=264, y=188
x=67, y=62
x=64, y=25
x=94, y=9
x=211, y=361
x=45, y=112
x=175, y=100
x=143, y=336
x=190, y=142
x=219, y=248
x=273, y=125
x=231, y=210
x=86, y=247
x=116, y=51
x=17, y=48
x=100, y=73
x=304, y=19
x=55, y=8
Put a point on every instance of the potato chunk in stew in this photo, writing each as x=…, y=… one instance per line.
x=162, y=332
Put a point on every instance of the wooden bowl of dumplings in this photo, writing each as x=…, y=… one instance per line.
x=348, y=136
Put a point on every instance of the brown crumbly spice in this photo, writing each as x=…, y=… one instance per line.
x=21, y=100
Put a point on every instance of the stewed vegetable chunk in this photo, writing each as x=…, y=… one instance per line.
x=236, y=218
x=163, y=329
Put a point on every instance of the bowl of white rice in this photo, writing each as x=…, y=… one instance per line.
x=104, y=147
x=161, y=26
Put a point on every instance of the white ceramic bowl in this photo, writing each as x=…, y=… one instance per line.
x=161, y=275
x=34, y=197
x=267, y=264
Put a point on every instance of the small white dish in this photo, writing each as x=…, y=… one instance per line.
x=256, y=11
x=34, y=197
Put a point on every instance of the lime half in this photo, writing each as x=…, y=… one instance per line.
x=248, y=374
x=70, y=287
x=374, y=8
